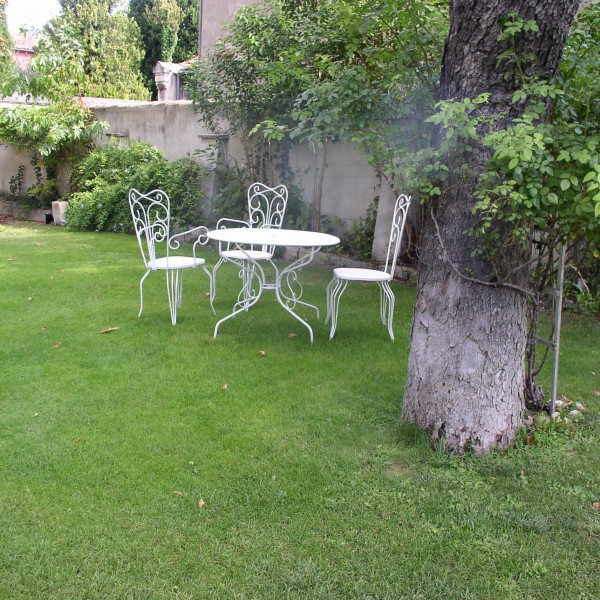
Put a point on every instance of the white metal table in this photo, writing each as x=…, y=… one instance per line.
x=287, y=287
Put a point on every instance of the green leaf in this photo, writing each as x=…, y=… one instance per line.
x=565, y=184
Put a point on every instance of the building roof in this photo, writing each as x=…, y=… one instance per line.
x=24, y=41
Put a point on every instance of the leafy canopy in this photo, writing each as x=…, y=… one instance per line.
x=58, y=127
x=323, y=70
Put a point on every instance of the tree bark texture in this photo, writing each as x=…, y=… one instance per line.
x=465, y=381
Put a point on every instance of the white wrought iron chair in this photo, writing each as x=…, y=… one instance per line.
x=342, y=275
x=151, y=214
x=266, y=208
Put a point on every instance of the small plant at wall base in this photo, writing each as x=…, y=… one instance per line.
x=104, y=178
x=359, y=241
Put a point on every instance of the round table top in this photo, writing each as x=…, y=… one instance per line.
x=273, y=237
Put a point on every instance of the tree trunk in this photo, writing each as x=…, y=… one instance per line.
x=465, y=381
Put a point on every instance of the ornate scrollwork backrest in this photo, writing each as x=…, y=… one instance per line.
x=151, y=215
x=266, y=206
x=398, y=222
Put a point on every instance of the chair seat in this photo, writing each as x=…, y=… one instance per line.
x=352, y=274
x=177, y=262
x=247, y=254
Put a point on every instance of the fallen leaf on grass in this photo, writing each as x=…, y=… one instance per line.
x=36, y=414
x=57, y=344
x=178, y=493
x=262, y=353
x=596, y=505
x=292, y=335
x=30, y=299
x=109, y=330
x=201, y=503
x=39, y=244
x=207, y=294
x=225, y=386
x=44, y=328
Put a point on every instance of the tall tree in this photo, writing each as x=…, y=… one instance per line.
x=111, y=46
x=5, y=43
x=465, y=382
x=169, y=31
x=187, y=36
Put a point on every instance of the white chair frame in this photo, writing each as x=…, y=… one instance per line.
x=266, y=209
x=342, y=275
x=151, y=215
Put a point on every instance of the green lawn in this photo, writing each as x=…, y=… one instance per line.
x=129, y=470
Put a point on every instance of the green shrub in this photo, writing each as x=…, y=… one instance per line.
x=104, y=178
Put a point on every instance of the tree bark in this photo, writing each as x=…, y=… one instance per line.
x=465, y=381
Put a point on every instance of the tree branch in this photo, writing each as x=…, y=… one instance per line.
x=446, y=259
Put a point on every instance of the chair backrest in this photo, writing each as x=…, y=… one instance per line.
x=151, y=214
x=266, y=206
x=398, y=222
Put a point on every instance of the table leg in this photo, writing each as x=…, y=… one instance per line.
x=289, y=295
x=249, y=270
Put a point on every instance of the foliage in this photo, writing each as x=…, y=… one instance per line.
x=60, y=132
x=104, y=178
x=187, y=34
x=544, y=171
x=53, y=132
x=6, y=61
x=164, y=18
x=322, y=71
x=169, y=30
x=39, y=195
x=110, y=46
x=541, y=184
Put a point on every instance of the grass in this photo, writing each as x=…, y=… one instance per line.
x=128, y=471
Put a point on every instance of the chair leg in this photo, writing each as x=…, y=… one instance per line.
x=211, y=288
x=179, y=288
x=213, y=291
x=389, y=295
x=328, y=292
x=337, y=292
x=142, y=292
x=382, y=305
x=174, y=292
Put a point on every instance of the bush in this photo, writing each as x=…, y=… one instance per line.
x=103, y=180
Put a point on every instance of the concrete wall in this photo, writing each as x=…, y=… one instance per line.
x=171, y=126
x=215, y=16
x=349, y=183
